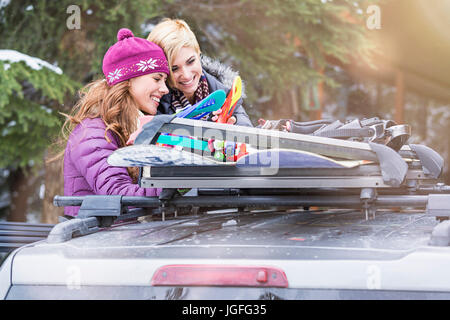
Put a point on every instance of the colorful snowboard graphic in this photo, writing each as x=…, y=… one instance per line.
x=285, y=158
x=150, y=155
x=230, y=103
x=211, y=103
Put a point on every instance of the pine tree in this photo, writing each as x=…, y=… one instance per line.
x=278, y=45
x=29, y=111
x=42, y=28
x=31, y=88
x=28, y=116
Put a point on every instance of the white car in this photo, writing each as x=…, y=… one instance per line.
x=272, y=253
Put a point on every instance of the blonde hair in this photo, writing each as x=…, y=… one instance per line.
x=172, y=35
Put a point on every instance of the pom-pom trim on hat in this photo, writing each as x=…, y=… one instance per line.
x=124, y=33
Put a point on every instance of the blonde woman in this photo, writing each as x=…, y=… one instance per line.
x=135, y=72
x=192, y=77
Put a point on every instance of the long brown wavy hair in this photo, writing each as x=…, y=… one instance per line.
x=113, y=104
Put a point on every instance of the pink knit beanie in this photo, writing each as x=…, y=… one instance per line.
x=132, y=57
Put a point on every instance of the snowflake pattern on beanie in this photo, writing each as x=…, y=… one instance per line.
x=132, y=57
x=114, y=75
x=149, y=64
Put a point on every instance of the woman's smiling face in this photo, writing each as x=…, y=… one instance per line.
x=186, y=71
x=147, y=90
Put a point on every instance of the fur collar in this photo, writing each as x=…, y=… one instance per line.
x=221, y=72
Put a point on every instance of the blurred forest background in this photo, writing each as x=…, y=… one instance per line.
x=299, y=59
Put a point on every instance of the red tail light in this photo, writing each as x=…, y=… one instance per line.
x=219, y=275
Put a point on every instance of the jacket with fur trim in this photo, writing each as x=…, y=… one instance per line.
x=218, y=77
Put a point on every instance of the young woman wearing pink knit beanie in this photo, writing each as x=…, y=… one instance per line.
x=135, y=71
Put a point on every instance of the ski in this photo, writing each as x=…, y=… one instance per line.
x=230, y=103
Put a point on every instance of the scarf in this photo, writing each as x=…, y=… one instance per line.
x=180, y=101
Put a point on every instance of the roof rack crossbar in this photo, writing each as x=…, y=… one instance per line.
x=265, y=200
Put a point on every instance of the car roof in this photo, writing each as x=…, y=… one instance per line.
x=296, y=234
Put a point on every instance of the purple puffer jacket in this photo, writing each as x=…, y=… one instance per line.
x=86, y=171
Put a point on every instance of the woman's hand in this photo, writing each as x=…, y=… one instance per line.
x=141, y=121
x=231, y=120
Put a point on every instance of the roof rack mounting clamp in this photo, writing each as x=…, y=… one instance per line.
x=165, y=196
x=368, y=196
x=393, y=167
x=95, y=212
x=105, y=208
x=166, y=208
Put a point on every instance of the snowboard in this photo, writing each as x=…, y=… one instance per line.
x=230, y=103
x=151, y=155
x=212, y=102
x=285, y=158
x=166, y=139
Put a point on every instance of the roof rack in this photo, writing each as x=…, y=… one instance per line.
x=97, y=212
x=102, y=211
x=390, y=181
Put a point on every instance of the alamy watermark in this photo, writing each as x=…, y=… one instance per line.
x=270, y=161
x=73, y=280
x=373, y=22
x=373, y=280
x=73, y=22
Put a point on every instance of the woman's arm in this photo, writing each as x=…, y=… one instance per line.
x=90, y=157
